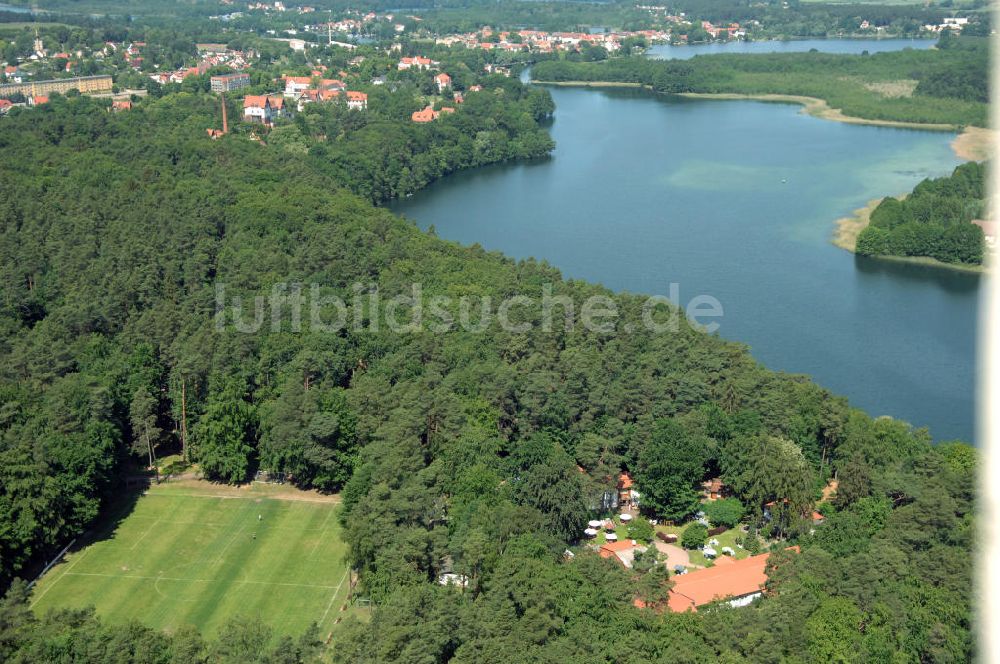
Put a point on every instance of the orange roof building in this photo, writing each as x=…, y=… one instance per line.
x=611, y=549
x=426, y=115
x=357, y=100
x=263, y=108
x=738, y=581
x=713, y=489
x=628, y=497
x=429, y=114
x=623, y=551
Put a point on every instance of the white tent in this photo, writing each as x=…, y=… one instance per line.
x=709, y=552
x=625, y=517
x=590, y=532
x=595, y=523
x=611, y=537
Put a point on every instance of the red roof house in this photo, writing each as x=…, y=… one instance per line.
x=738, y=581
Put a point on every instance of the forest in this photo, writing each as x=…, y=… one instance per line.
x=453, y=452
x=946, y=85
x=934, y=220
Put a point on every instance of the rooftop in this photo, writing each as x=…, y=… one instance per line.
x=726, y=580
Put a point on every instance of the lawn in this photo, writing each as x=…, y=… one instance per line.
x=196, y=553
x=727, y=538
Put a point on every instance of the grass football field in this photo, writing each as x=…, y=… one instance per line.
x=193, y=553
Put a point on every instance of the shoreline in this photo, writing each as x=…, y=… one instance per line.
x=592, y=84
x=819, y=108
x=975, y=143
x=927, y=261
x=847, y=229
x=971, y=143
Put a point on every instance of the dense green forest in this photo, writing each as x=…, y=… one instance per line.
x=934, y=220
x=455, y=451
x=944, y=85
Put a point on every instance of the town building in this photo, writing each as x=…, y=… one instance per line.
x=357, y=100
x=295, y=85
x=416, y=62
x=426, y=115
x=84, y=84
x=264, y=109
x=443, y=82
x=230, y=82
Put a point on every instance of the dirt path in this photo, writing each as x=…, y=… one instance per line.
x=252, y=490
x=675, y=554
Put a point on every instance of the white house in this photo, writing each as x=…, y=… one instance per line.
x=295, y=85
x=264, y=109
x=357, y=100
x=416, y=62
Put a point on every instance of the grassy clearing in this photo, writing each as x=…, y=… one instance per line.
x=892, y=89
x=196, y=553
x=727, y=538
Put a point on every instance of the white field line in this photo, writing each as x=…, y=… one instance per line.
x=219, y=559
x=143, y=536
x=319, y=540
x=52, y=563
x=334, y=596
x=59, y=578
x=212, y=562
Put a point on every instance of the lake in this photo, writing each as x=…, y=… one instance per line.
x=668, y=52
x=737, y=200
